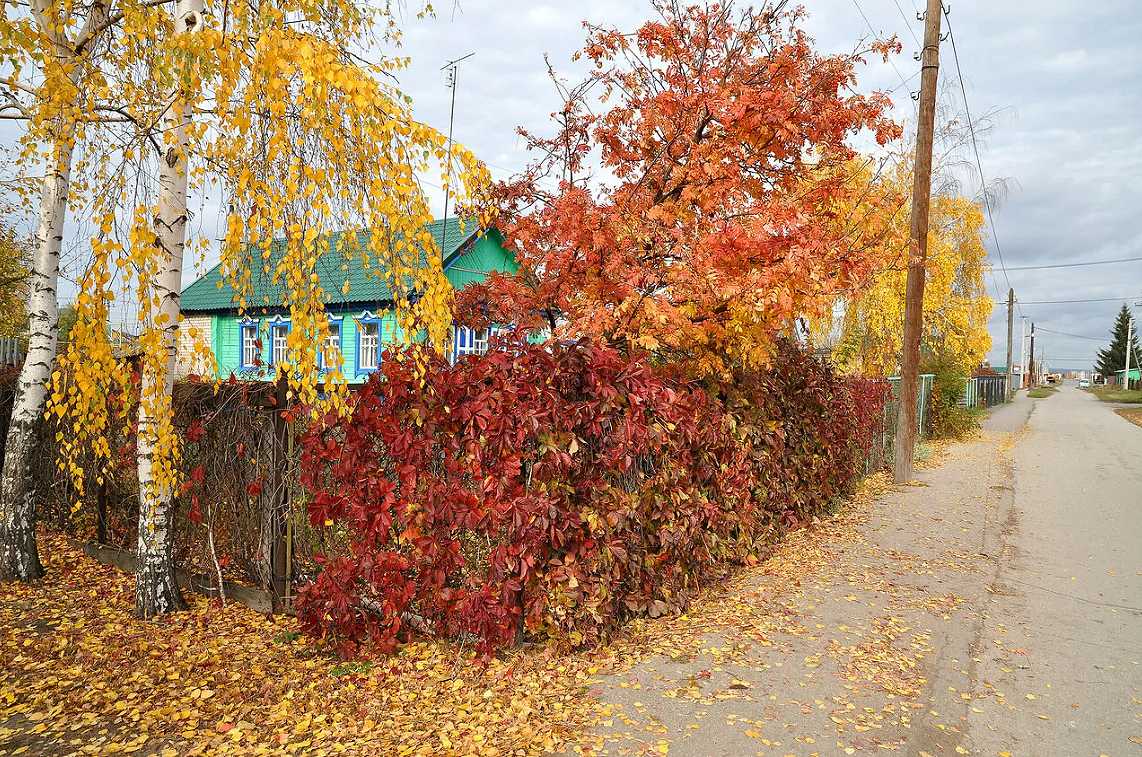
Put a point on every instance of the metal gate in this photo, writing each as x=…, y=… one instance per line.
x=992, y=390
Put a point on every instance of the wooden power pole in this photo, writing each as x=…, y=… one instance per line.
x=918, y=252
x=1032, y=384
x=1010, y=328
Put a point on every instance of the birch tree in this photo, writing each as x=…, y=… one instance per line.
x=314, y=149
x=50, y=48
x=956, y=305
x=156, y=591
x=15, y=255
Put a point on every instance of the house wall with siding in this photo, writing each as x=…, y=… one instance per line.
x=227, y=342
x=485, y=255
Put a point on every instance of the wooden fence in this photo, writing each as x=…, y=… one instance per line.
x=891, y=412
x=11, y=351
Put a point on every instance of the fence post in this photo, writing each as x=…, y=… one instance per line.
x=280, y=494
x=101, y=511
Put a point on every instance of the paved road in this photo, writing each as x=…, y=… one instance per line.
x=993, y=608
x=1072, y=584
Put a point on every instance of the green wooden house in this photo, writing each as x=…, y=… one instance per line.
x=361, y=322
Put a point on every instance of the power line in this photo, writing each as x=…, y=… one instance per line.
x=1073, y=265
x=907, y=23
x=1076, y=336
x=903, y=83
x=1062, y=302
x=975, y=149
x=872, y=31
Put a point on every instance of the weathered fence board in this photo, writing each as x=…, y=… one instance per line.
x=11, y=351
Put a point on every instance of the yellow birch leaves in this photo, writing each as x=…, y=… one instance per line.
x=956, y=305
x=319, y=161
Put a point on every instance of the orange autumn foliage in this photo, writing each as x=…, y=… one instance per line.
x=703, y=170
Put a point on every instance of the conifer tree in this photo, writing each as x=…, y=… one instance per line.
x=1113, y=358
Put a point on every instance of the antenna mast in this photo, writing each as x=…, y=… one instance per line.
x=453, y=69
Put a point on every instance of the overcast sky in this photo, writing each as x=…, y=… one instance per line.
x=1062, y=77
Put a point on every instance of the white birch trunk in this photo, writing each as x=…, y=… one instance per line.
x=156, y=591
x=19, y=559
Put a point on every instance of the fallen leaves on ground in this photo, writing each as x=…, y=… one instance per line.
x=80, y=675
x=1132, y=414
x=828, y=641
x=828, y=622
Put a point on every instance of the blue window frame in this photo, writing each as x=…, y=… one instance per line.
x=248, y=343
x=331, y=351
x=368, y=342
x=468, y=341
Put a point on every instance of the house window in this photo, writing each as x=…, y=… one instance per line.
x=466, y=341
x=249, y=345
x=368, y=345
x=278, y=340
x=331, y=350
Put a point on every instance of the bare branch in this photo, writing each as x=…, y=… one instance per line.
x=92, y=33
x=11, y=82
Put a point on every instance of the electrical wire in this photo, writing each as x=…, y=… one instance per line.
x=907, y=23
x=903, y=82
x=1072, y=265
x=872, y=31
x=1062, y=302
x=975, y=150
x=1076, y=336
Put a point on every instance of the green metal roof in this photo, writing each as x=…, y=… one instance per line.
x=333, y=269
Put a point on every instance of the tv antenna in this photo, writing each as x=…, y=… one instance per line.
x=453, y=69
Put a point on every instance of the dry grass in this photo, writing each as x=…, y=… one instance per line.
x=1116, y=394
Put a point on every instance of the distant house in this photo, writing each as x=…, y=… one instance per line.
x=361, y=321
x=1135, y=377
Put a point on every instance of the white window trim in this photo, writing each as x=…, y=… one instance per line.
x=276, y=324
x=339, y=322
x=246, y=325
x=469, y=341
x=368, y=320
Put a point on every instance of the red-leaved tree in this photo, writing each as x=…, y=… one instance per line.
x=704, y=171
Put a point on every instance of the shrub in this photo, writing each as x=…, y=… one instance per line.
x=560, y=489
x=949, y=420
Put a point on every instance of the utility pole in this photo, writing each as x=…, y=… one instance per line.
x=1032, y=384
x=1129, y=336
x=914, y=292
x=1022, y=351
x=1010, y=324
x=1129, y=349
